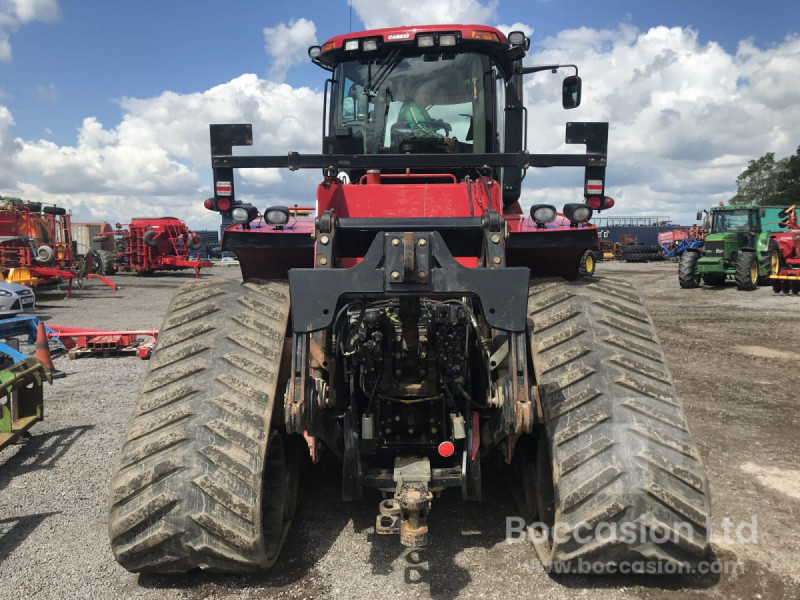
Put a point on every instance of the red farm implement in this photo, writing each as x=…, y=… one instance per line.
x=92, y=342
x=148, y=245
x=785, y=275
x=36, y=247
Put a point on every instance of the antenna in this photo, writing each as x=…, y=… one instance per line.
x=350, y=2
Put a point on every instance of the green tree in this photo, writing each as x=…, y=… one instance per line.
x=788, y=180
x=757, y=183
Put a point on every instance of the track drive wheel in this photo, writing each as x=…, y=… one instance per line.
x=204, y=478
x=747, y=276
x=627, y=479
x=687, y=270
x=587, y=264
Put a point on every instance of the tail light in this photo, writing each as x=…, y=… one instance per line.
x=223, y=204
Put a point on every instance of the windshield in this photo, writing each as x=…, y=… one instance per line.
x=731, y=220
x=429, y=103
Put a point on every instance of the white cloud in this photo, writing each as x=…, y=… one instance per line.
x=506, y=29
x=48, y=93
x=288, y=45
x=158, y=156
x=377, y=15
x=685, y=117
x=14, y=13
x=8, y=147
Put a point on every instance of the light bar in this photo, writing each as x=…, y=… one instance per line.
x=447, y=39
x=351, y=45
x=370, y=45
x=425, y=41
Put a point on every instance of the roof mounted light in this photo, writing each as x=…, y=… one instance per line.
x=425, y=41
x=314, y=51
x=577, y=213
x=351, y=45
x=447, y=39
x=370, y=44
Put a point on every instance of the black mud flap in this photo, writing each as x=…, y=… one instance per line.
x=411, y=263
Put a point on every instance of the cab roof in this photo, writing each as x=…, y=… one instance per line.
x=409, y=34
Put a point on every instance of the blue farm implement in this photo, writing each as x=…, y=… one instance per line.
x=675, y=249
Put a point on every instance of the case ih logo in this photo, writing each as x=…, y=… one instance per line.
x=398, y=36
x=224, y=188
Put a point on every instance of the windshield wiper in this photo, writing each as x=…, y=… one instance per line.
x=376, y=81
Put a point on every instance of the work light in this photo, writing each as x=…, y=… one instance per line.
x=543, y=213
x=577, y=213
x=277, y=215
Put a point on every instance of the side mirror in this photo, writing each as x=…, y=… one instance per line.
x=571, y=92
x=699, y=216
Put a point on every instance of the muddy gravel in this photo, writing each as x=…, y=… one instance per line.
x=734, y=356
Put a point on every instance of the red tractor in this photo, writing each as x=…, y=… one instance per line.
x=786, y=264
x=148, y=245
x=417, y=331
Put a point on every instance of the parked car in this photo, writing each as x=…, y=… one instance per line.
x=16, y=299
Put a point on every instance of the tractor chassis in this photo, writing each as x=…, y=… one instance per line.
x=408, y=259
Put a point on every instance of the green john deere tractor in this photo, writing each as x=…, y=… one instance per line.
x=740, y=244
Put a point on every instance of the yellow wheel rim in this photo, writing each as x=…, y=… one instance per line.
x=754, y=272
x=774, y=263
x=589, y=264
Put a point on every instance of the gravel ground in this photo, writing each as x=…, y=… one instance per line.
x=734, y=358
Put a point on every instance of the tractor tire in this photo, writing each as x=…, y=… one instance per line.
x=777, y=286
x=714, y=279
x=615, y=448
x=772, y=262
x=587, y=264
x=203, y=479
x=54, y=210
x=688, y=276
x=194, y=243
x=106, y=262
x=747, y=276
x=149, y=238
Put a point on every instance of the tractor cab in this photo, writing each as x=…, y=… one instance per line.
x=429, y=90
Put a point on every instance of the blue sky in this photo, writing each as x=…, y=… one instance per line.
x=100, y=51
x=80, y=59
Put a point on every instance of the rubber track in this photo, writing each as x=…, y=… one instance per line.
x=186, y=490
x=618, y=437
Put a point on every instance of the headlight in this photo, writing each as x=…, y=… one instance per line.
x=543, y=213
x=425, y=41
x=351, y=45
x=244, y=213
x=314, y=51
x=577, y=213
x=370, y=45
x=447, y=39
x=516, y=38
x=277, y=215
x=5, y=293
